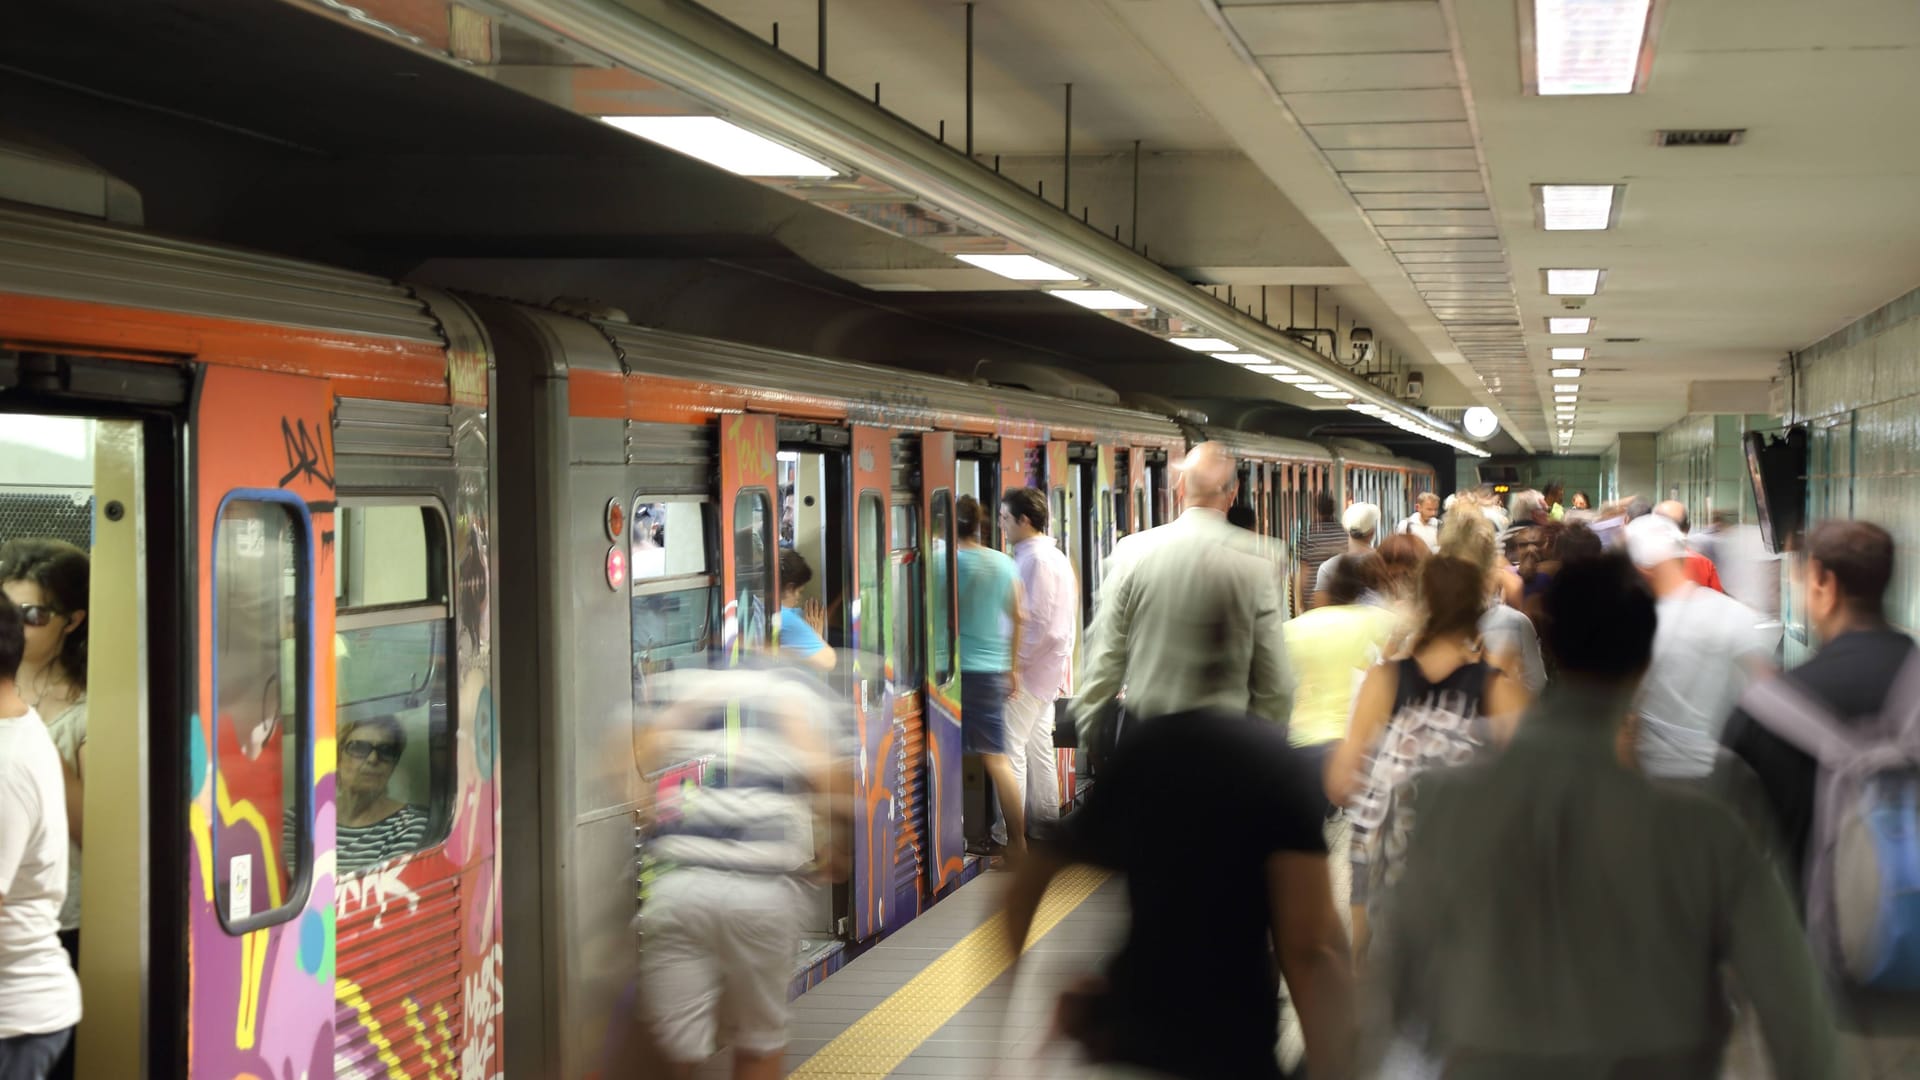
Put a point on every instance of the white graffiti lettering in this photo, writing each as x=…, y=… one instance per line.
x=377, y=889
x=482, y=1004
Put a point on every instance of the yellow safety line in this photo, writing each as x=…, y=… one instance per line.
x=878, y=1042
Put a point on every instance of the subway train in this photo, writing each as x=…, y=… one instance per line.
x=359, y=544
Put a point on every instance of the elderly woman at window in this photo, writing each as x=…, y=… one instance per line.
x=372, y=826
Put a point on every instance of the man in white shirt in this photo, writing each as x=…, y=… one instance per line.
x=1708, y=647
x=1423, y=522
x=39, y=996
x=1045, y=662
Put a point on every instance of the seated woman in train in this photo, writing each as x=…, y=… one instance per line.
x=371, y=825
x=801, y=626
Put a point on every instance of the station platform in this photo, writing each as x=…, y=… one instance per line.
x=938, y=998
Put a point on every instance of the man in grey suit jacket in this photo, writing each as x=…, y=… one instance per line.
x=1190, y=613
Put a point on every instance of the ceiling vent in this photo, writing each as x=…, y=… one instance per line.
x=1700, y=137
x=1624, y=340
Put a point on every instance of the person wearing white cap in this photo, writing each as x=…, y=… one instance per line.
x=1361, y=521
x=1707, y=649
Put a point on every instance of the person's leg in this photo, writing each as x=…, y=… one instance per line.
x=1043, y=769
x=679, y=978
x=1023, y=716
x=762, y=916
x=31, y=1057
x=1012, y=800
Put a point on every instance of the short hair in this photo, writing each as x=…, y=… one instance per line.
x=1578, y=542
x=1859, y=555
x=794, y=571
x=1638, y=507
x=1242, y=515
x=966, y=518
x=1401, y=556
x=1352, y=575
x=1323, y=506
x=1599, y=619
x=1454, y=594
x=386, y=722
x=13, y=639
x=1426, y=496
x=1026, y=504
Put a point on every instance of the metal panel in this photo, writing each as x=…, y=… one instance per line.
x=884, y=397
x=1441, y=133
x=1377, y=106
x=1297, y=29
x=675, y=459
x=1363, y=71
x=393, y=429
x=82, y=261
x=906, y=465
x=1266, y=447
x=1402, y=160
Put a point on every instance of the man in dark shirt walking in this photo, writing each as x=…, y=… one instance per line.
x=1325, y=539
x=1849, y=565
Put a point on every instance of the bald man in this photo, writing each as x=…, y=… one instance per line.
x=1189, y=614
x=1700, y=569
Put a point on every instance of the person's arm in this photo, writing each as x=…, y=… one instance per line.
x=1506, y=700
x=1312, y=951
x=1372, y=709
x=1017, y=608
x=1767, y=949
x=18, y=808
x=821, y=659
x=1271, y=684
x=1103, y=665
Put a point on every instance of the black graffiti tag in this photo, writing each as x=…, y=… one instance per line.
x=306, y=454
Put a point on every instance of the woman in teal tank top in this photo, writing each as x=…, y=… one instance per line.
x=990, y=615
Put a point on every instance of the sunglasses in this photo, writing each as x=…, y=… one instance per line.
x=37, y=614
x=362, y=750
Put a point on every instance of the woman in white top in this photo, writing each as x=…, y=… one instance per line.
x=47, y=581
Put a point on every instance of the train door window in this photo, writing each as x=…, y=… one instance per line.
x=1139, y=510
x=1157, y=490
x=980, y=478
x=941, y=568
x=753, y=537
x=1058, y=517
x=1088, y=540
x=1118, y=500
x=674, y=589
x=904, y=566
x=813, y=526
x=263, y=643
x=869, y=613
x=394, y=721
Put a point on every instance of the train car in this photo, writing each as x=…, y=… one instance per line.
x=1371, y=473
x=285, y=476
x=657, y=478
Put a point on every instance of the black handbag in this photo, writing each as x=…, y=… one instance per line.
x=1066, y=734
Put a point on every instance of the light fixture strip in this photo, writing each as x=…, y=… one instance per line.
x=1590, y=46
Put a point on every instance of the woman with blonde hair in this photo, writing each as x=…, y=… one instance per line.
x=1507, y=635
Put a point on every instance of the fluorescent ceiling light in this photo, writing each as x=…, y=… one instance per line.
x=1205, y=344
x=1564, y=410
x=720, y=143
x=1317, y=385
x=1569, y=352
x=1566, y=399
x=1567, y=372
x=1588, y=46
x=1575, y=206
x=1572, y=282
x=1566, y=388
x=1270, y=369
x=1019, y=267
x=1099, y=299
x=1301, y=380
x=1335, y=395
x=1366, y=407
x=1569, y=326
x=1240, y=357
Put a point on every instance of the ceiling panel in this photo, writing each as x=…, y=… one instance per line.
x=1422, y=200
x=1362, y=71
x=1402, y=160
x=1377, y=106
x=1431, y=217
x=1436, y=134
x=1434, y=232
x=1459, y=260
x=1412, y=181
x=1379, y=26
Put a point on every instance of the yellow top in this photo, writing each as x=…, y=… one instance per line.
x=1329, y=650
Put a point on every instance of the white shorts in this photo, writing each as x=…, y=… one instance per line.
x=709, y=933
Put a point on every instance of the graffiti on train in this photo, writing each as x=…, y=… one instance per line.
x=308, y=455
x=482, y=1003
x=892, y=408
x=376, y=889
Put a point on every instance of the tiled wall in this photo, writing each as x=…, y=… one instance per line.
x=1858, y=391
x=1703, y=464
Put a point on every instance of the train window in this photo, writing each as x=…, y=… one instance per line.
x=869, y=617
x=904, y=587
x=1139, y=521
x=263, y=677
x=752, y=559
x=670, y=539
x=1118, y=500
x=941, y=568
x=394, y=718
x=1058, y=518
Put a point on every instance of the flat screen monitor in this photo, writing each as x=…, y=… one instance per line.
x=1777, y=469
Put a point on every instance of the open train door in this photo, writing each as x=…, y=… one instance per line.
x=260, y=747
x=750, y=527
x=1141, y=516
x=877, y=782
x=947, y=843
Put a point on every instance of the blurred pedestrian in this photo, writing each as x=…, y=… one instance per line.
x=1362, y=522
x=1864, y=682
x=1707, y=650
x=1325, y=539
x=803, y=624
x=1244, y=851
x=1441, y=705
x=991, y=623
x=1700, y=569
x=1163, y=588
x=1581, y=501
x=1424, y=521
x=1044, y=662
x=1558, y=915
x=1506, y=634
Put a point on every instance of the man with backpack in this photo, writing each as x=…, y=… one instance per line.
x=1833, y=743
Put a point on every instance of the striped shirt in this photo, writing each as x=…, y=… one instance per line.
x=357, y=847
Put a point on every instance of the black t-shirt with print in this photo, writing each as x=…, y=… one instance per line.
x=1190, y=809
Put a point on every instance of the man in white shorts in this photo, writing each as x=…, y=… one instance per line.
x=731, y=857
x=39, y=996
x=1045, y=663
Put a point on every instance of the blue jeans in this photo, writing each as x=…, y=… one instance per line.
x=31, y=1057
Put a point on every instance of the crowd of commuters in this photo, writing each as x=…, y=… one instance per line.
x=1578, y=822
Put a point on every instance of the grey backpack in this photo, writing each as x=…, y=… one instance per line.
x=1863, y=855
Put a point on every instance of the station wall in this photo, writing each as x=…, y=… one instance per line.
x=1701, y=462
x=1858, y=392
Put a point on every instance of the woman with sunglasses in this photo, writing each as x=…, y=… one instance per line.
x=371, y=826
x=47, y=580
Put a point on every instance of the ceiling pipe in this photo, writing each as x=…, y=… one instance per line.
x=712, y=60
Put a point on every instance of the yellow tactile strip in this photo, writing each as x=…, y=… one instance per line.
x=878, y=1042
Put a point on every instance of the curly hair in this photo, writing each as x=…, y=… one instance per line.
x=62, y=573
